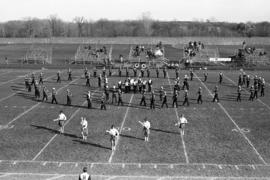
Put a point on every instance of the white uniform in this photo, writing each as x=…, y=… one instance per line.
x=113, y=132
x=84, y=125
x=181, y=122
x=61, y=118
x=146, y=128
x=84, y=176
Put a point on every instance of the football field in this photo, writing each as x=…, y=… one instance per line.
x=225, y=140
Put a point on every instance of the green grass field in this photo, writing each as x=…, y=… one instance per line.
x=226, y=140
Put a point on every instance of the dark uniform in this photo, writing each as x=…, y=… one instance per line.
x=99, y=81
x=240, y=80
x=161, y=93
x=248, y=81
x=256, y=91
x=89, y=100
x=176, y=73
x=69, y=75
x=220, y=78
x=199, y=99
x=134, y=72
x=33, y=79
x=119, y=72
x=127, y=72
x=37, y=92
x=175, y=103
x=143, y=102
x=152, y=101
x=185, y=83
x=69, y=95
x=216, y=95
x=186, y=101
x=88, y=80
x=114, y=99
x=191, y=75
x=45, y=96
x=40, y=78
x=54, y=96
x=157, y=72
x=164, y=100
x=239, y=89
x=148, y=72
x=164, y=72
x=103, y=102
x=251, y=97
x=120, y=100
x=142, y=72
x=95, y=72
x=58, y=77
x=205, y=76
x=262, y=88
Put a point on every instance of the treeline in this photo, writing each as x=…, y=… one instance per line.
x=55, y=27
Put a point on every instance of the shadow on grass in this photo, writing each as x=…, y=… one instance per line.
x=54, y=131
x=164, y=131
x=91, y=144
x=132, y=137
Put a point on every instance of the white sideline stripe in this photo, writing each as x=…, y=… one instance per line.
x=136, y=164
x=36, y=105
x=238, y=128
x=17, y=78
x=56, y=177
x=246, y=91
x=4, y=175
x=71, y=117
x=13, y=94
x=5, y=73
x=177, y=116
x=110, y=178
x=140, y=176
x=121, y=128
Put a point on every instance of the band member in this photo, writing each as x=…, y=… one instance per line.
x=40, y=78
x=54, y=96
x=239, y=89
x=103, y=102
x=58, y=77
x=120, y=100
x=220, y=77
x=45, y=94
x=119, y=72
x=61, y=121
x=114, y=91
x=175, y=95
x=199, y=99
x=157, y=72
x=99, y=80
x=87, y=79
x=143, y=102
x=181, y=124
x=152, y=100
x=185, y=83
x=146, y=129
x=69, y=74
x=262, y=87
x=164, y=72
x=114, y=135
x=216, y=94
x=89, y=100
x=164, y=100
x=191, y=75
x=251, y=97
x=161, y=92
x=135, y=72
x=84, y=175
x=148, y=72
x=186, y=101
x=69, y=95
x=33, y=79
x=84, y=128
x=205, y=74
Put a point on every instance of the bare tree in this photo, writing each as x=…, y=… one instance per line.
x=147, y=23
x=80, y=21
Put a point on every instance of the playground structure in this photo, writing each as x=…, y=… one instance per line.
x=85, y=54
x=39, y=54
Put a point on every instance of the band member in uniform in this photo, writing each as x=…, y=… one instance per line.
x=119, y=72
x=248, y=81
x=103, y=102
x=150, y=83
x=157, y=72
x=220, y=77
x=84, y=128
x=199, y=99
x=148, y=72
x=33, y=79
x=69, y=95
x=114, y=135
x=175, y=95
x=164, y=100
x=239, y=89
x=205, y=76
x=95, y=72
x=120, y=100
x=61, y=121
x=54, y=96
x=176, y=73
x=251, y=97
x=146, y=129
x=186, y=101
x=135, y=72
x=191, y=75
x=185, y=83
x=84, y=175
x=69, y=74
x=114, y=91
x=37, y=91
x=85, y=72
x=216, y=94
x=262, y=87
x=127, y=72
x=40, y=78
x=181, y=124
x=164, y=72
x=143, y=102
x=161, y=92
x=99, y=80
x=89, y=100
x=58, y=77
x=142, y=72
x=87, y=80
x=240, y=80
x=152, y=100
x=256, y=91
x=45, y=94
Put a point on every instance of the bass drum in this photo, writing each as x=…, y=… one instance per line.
x=143, y=66
x=136, y=65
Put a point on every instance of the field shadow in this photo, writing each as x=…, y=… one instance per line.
x=164, y=131
x=132, y=137
x=91, y=144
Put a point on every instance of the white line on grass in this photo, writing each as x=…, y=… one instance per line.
x=121, y=128
x=4, y=175
x=238, y=128
x=36, y=105
x=246, y=91
x=17, y=78
x=177, y=116
x=46, y=145
x=56, y=177
x=13, y=94
x=5, y=73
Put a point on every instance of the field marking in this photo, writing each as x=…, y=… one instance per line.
x=13, y=94
x=5, y=73
x=129, y=163
x=236, y=125
x=245, y=90
x=121, y=128
x=46, y=145
x=139, y=176
x=4, y=175
x=56, y=177
x=18, y=78
x=36, y=105
x=177, y=116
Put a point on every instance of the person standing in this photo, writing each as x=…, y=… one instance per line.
x=181, y=124
x=164, y=100
x=54, y=96
x=220, y=77
x=84, y=128
x=69, y=74
x=45, y=94
x=152, y=100
x=103, y=101
x=120, y=100
x=61, y=121
x=40, y=78
x=84, y=175
x=143, y=102
x=114, y=135
x=146, y=129
x=175, y=95
x=186, y=101
x=69, y=95
x=239, y=89
x=216, y=94
x=58, y=77
x=89, y=100
x=199, y=99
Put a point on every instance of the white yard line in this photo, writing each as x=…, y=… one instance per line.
x=140, y=176
x=56, y=177
x=3, y=73
x=177, y=116
x=236, y=125
x=48, y=143
x=22, y=76
x=246, y=91
x=121, y=128
x=36, y=105
x=13, y=94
